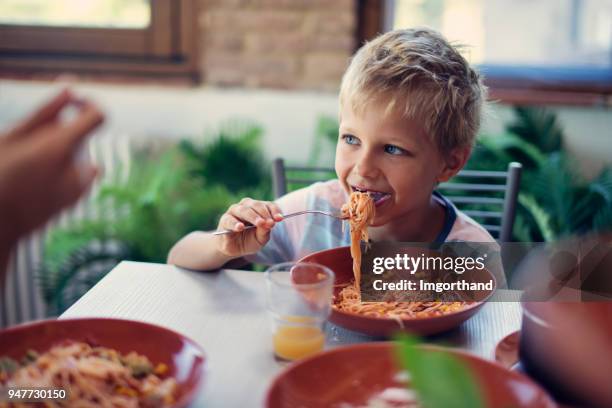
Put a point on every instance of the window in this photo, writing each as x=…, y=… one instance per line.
x=108, y=36
x=532, y=51
x=76, y=13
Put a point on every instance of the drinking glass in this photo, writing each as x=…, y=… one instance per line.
x=299, y=296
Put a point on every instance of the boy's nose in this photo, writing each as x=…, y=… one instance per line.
x=366, y=167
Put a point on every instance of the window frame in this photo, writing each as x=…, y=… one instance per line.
x=166, y=47
x=513, y=85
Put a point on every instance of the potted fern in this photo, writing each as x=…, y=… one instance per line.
x=167, y=194
x=554, y=200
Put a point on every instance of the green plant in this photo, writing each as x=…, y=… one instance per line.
x=158, y=204
x=78, y=270
x=166, y=195
x=232, y=159
x=326, y=135
x=554, y=199
x=138, y=220
x=538, y=126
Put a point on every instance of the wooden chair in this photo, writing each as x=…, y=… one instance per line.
x=487, y=196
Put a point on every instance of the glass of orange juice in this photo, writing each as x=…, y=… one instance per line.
x=299, y=302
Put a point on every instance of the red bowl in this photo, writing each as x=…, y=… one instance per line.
x=567, y=347
x=339, y=260
x=356, y=373
x=184, y=358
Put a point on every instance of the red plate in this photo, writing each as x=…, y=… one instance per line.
x=339, y=260
x=354, y=374
x=184, y=357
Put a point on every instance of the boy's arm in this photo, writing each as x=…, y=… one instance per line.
x=204, y=251
x=198, y=250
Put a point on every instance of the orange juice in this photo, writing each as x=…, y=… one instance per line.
x=292, y=342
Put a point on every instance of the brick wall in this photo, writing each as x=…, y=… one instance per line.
x=287, y=44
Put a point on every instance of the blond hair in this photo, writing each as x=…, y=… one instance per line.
x=418, y=74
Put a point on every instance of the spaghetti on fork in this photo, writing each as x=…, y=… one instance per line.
x=360, y=210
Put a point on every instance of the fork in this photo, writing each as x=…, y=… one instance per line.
x=285, y=216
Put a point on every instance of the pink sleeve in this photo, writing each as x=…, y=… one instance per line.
x=467, y=229
x=290, y=203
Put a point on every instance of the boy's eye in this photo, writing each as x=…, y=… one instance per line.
x=391, y=149
x=350, y=139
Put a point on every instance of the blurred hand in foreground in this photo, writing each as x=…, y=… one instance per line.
x=39, y=173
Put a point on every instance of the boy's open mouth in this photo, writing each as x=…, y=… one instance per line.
x=378, y=196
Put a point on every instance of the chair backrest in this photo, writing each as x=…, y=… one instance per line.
x=489, y=197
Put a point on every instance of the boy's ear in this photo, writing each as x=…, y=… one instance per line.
x=454, y=162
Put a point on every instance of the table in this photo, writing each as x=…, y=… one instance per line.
x=225, y=313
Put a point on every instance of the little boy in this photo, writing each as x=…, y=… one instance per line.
x=410, y=108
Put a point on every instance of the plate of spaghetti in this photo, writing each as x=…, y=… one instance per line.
x=367, y=375
x=381, y=318
x=100, y=362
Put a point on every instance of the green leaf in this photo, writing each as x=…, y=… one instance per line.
x=325, y=138
x=327, y=128
x=539, y=214
x=602, y=185
x=512, y=148
x=556, y=200
x=602, y=220
x=64, y=280
x=539, y=127
x=439, y=379
x=557, y=188
x=232, y=158
x=522, y=229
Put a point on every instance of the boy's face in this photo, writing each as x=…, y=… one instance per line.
x=391, y=157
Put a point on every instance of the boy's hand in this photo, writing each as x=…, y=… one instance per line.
x=262, y=214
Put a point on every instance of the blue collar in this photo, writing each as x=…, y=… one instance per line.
x=450, y=217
